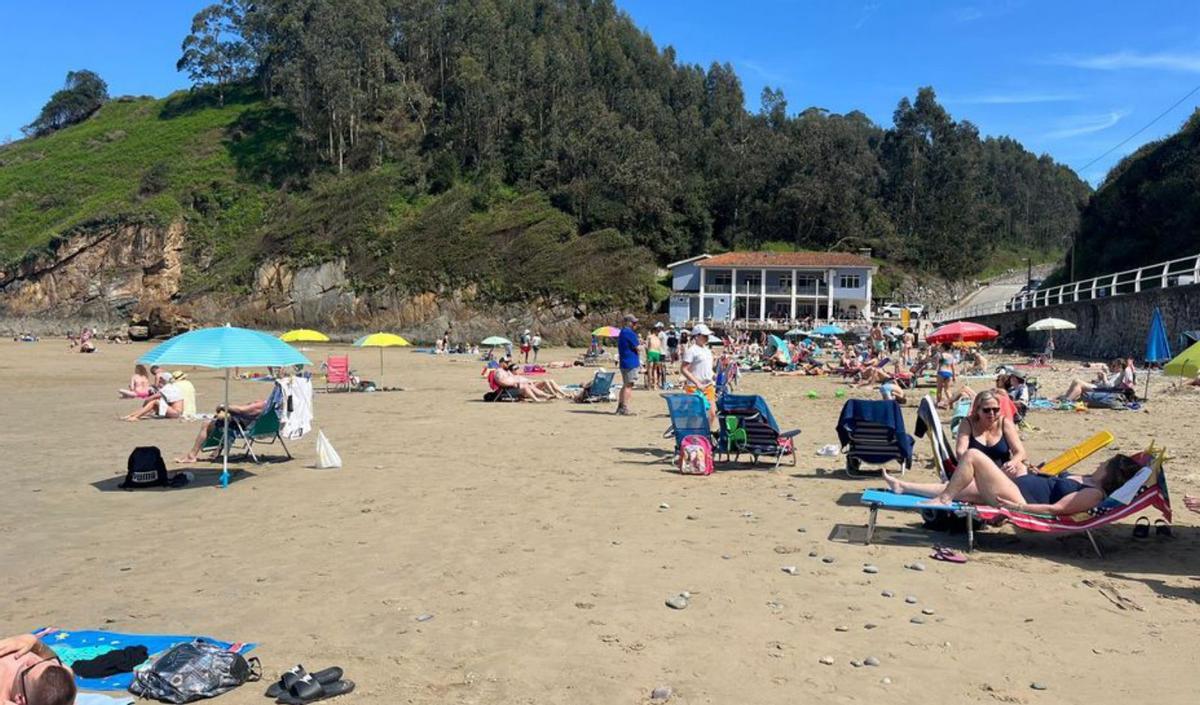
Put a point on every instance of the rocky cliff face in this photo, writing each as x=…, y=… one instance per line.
x=113, y=277
x=99, y=274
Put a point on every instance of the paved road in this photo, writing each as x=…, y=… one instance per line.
x=990, y=294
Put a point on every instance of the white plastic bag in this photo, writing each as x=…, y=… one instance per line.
x=327, y=457
x=828, y=451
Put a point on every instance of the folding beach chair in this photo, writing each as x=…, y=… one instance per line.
x=747, y=426
x=600, y=387
x=873, y=432
x=497, y=392
x=1145, y=490
x=264, y=430
x=337, y=372
x=688, y=417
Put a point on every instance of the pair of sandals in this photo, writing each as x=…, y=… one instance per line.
x=949, y=555
x=1141, y=529
x=298, y=687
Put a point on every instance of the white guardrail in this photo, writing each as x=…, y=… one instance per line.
x=1184, y=271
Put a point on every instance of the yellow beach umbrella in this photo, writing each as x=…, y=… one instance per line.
x=304, y=335
x=1185, y=364
x=381, y=341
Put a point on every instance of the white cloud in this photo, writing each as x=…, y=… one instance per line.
x=967, y=14
x=1077, y=125
x=1122, y=60
x=762, y=72
x=1015, y=98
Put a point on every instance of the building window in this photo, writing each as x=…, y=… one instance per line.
x=850, y=281
x=722, y=278
x=806, y=281
x=785, y=281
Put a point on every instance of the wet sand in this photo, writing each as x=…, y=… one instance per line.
x=533, y=535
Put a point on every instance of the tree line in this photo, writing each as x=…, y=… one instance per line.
x=570, y=98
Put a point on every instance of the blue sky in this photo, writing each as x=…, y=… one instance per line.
x=1069, y=78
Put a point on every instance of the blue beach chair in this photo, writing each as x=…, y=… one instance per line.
x=688, y=417
x=600, y=387
x=748, y=426
x=873, y=432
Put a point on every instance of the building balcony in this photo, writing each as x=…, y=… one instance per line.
x=716, y=288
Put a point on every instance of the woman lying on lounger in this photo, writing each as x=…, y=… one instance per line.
x=978, y=480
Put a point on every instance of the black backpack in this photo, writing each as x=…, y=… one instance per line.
x=191, y=671
x=145, y=469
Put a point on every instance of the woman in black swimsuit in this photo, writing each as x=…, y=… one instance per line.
x=987, y=430
x=978, y=480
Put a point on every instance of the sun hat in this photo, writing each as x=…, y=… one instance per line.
x=178, y=375
x=658, y=325
x=630, y=318
x=701, y=329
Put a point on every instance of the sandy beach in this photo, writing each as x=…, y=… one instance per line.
x=533, y=535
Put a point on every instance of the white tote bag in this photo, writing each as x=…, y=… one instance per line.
x=327, y=457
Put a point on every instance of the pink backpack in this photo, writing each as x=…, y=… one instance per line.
x=695, y=455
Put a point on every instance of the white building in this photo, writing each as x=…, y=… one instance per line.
x=777, y=286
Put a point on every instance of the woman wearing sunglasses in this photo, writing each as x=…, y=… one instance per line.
x=988, y=430
x=32, y=674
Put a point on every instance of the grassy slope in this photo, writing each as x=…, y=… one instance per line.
x=92, y=171
x=224, y=166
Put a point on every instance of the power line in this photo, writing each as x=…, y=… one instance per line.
x=1140, y=131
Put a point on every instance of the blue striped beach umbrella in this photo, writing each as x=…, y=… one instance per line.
x=224, y=347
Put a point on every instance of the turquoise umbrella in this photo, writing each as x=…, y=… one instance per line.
x=225, y=347
x=829, y=329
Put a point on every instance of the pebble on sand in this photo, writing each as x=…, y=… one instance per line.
x=915, y=566
x=1037, y=686
x=424, y=617
x=841, y=628
x=927, y=610
x=870, y=569
x=827, y=660
x=661, y=693
x=885, y=680
x=871, y=661
x=856, y=663
x=664, y=505
x=677, y=602
x=813, y=554
x=917, y=620
x=911, y=599
x=789, y=569
x=888, y=593
x=827, y=559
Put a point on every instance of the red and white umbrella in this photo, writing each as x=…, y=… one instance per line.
x=961, y=332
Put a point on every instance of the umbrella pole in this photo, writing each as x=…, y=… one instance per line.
x=225, y=437
x=381, y=368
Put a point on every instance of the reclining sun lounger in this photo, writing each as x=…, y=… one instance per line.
x=1147, y=489
x=600, y=387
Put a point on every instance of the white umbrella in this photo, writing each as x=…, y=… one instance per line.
x=1051, y=324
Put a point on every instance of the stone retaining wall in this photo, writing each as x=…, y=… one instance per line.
x=1106, y=328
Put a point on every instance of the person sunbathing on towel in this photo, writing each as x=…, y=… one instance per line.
x=979, y=480
x=244, y=414
x=32, y=674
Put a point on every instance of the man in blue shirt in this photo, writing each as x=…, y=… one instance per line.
x=630, y=360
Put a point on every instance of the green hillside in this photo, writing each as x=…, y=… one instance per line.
x=94, y=171
x=1148, y=208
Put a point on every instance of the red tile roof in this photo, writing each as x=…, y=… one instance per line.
x=787, y=259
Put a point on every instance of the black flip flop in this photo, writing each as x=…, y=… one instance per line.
x=1162, y=529
x=1141, y=530
x=308, y=690
x=290, y=678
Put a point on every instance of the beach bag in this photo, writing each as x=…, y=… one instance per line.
x=327, y=457
x=1103, y=400
x=695, y=455
x=145, y=468
x=191, y=671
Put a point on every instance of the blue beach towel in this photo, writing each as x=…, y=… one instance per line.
x=85, y=644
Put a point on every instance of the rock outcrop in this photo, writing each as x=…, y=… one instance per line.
x=100, y=273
